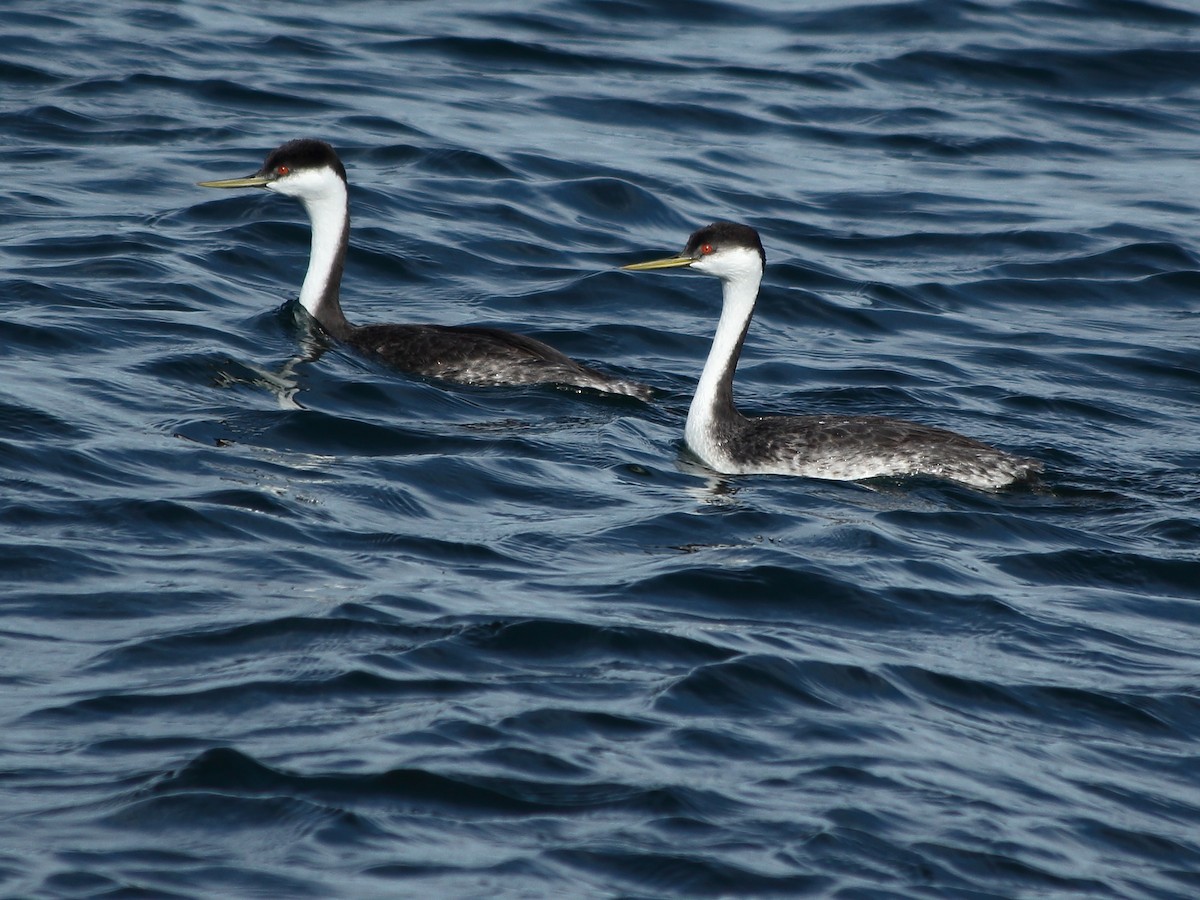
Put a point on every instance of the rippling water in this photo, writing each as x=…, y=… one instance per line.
x=284, y=623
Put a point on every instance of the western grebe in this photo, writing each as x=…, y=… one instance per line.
x=310, y=171
x=845, y=448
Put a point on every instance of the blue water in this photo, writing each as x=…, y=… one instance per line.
x=276, y=623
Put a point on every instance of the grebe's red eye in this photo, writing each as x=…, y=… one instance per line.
x=282, y=170
x=705, y=249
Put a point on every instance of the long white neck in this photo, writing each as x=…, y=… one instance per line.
x=713, y=404
x=329, y=214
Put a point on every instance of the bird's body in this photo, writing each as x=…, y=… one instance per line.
x=845, y=448
x=311, y=172
x=853, y=448
x=482, y=356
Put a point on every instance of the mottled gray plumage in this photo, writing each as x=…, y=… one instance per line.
x=484, y=356
x=855, y=447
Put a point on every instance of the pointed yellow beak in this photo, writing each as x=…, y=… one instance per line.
x=671, y=262
x=248, y=181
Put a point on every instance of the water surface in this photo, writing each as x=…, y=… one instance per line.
x=277, y=622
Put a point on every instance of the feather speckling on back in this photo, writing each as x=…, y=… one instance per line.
x=482, y=356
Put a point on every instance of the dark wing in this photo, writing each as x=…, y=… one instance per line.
x=892, y=446
x=477, y=355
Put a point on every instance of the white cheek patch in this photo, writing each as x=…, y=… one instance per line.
x=306, y=183
x=737, y=262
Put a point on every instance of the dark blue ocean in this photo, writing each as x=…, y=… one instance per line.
x=277, y=622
